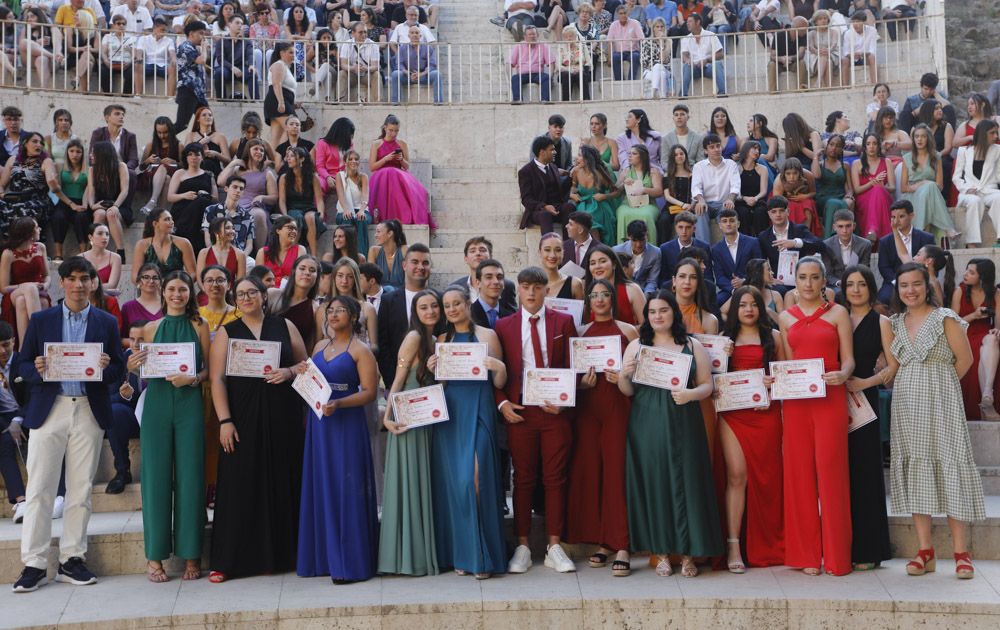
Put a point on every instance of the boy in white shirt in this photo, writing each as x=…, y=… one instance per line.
x=859, y=48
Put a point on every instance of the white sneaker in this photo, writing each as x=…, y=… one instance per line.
x=57, y=507
x=19, y=512
x=521, y=560
x=557, y=559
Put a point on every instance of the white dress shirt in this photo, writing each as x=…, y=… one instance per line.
x=714, y=182
x=527, y=350
x=581, y=249
x=376, y=300
x=847, y=253
x=735, y=245
x=409, y=302
x=401, y=34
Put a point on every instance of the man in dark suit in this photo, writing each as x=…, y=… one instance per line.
x=478, y=249
x=899, y=246
x=645, y=273
x=544, y=197
x=490, y=306
x=394, y=312
x=577, y=246
x=124, y=424
x=845, y=248
x=782, y=235
x=12, y=133
x=684, y=224
x=545, y=430
x=67, y=420
x=731, y=255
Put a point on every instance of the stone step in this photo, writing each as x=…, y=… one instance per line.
x=985, y=438
x=465, y=188
x=502, y=240
x=478, y=174
x=130, y=500
x=481, y=210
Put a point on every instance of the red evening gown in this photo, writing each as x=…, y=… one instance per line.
x=396, y=194
x=28, y=266
x=815, y=457
x=624, y=307
x=596, y=511
x=971, y=393
x=803, y=211
x=759, y=435
x=873, y=205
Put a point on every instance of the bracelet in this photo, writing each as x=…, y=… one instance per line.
x=226, y=421
x=196, y=381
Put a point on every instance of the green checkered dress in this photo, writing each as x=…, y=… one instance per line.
x=932, y=467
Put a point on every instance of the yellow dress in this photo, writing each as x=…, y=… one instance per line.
x=216, y=320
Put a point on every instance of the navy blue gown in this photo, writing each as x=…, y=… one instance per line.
x=338, y=522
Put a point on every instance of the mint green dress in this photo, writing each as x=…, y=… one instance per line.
x=406, y=540
x=602, y=212
x=647, y=213
x=929, y=206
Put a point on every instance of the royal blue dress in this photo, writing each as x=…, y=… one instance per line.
x=469, y=532
x=338, y=522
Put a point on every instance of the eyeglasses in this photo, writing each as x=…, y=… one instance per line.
x=247, y=295
x=214, y=281
x=150, y=278
x=338, y=311
x=599, y=295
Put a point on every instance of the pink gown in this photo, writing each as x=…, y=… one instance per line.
x=395, y=194
x=873, y=205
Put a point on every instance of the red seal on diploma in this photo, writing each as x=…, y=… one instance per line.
x=267, y=369
x=564, y=396
x=89, y=371
x=436, y=413
x=611, y=362
x=675, y=381
x=475, y=371
x=319, y=406
x=716, y=363
x=813, y=388
x=183, y=368
x=756, y=397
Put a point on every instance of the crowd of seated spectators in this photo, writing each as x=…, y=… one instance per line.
x=818, y=44
x=130, y=46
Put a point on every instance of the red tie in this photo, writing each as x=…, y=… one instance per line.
x=536, y=342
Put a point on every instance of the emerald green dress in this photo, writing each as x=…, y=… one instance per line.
x=406, y=540
x=830, y=195
x=602, y=212
x=172, y=444
x=929, y=206
x=668, y=476
x=647, y=213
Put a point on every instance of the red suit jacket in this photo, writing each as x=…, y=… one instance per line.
x=559, y=329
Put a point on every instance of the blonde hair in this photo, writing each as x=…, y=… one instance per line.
x=86, y=22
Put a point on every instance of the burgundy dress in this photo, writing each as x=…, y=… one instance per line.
x=28, y=266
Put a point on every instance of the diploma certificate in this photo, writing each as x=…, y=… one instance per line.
x=461, y=362
x=715, y=346
x=861, y=413
x=252, y=358
x=662, y=368
x=786, y=267
x=798, y=379
x=600, y=353
x=740, y=390
x=165, y=359
x=73, y=362
x=573, y=269
x=573, y=308
x=419, y=407
x=313, y=388
x=555, y=387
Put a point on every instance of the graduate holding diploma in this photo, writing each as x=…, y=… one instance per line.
x=668, y=472
x=751, y=442
x=815, y=430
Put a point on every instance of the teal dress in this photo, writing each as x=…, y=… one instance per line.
x=602, y=212
x=468, y=531
x=929, y=206
x=668, y=476
x=830, y=195
x=172, y=445
x=647, y=213
x=406, y=541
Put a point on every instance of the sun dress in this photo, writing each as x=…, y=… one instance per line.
x=929, y=207
x=932, y=470
x=647, y=213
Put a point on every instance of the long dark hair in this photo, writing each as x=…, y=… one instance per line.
x=700, y=295
x=306, y=172
x=728, y=128
x=350, y=242
x=216, y=227
x=755, y=275
x=644, y=127
x=78, y=144
x=831, y=120
x=148, y=228
x=427, y=339
x=273, y=240
x=981, y=139
x=672, y=167
x=173, y=146
x=601, y=248
x=864, y=151
x=869, y=278
x=279, y=47
x=398, y=236
x=97, y=297
x=764, y=327
x=600, y=282
x=987, y=281
x=897, y=302
x=878, y=127
x=22, y=153
x=22, y=230
x=643, y=152
x=191, y=308
x=229, y=297
x=926, y=112
x=677, y=329
x=285, y=301
x=297, y=27
x=389, y=120
x=340, y=134
x=105, y=166
x=592, y=162
x=943, y=262
x=797, y=132
x=760, y=120
x=449, y=328
x=353, y=309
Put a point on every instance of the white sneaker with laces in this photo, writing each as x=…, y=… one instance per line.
x=557, y=559
x=19, y=512
x=520, y=562
x=57, y=508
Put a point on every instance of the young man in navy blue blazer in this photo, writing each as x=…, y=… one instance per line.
x=731, y=255
x=67, y=421
x=893, y=253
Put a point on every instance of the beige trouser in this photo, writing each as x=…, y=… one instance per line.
x=69, y=432
x=352, y=84
x=974, y=207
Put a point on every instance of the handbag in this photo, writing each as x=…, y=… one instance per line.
x=308, y=123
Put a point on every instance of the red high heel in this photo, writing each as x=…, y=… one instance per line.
x=963, y=566
x=925, y=562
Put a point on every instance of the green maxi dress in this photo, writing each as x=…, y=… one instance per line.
x=830, y=195
x=602, y=212
x=172, y=444
x=647, y=213
x=929, y=207
x=668, y=476
x=406, y=540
